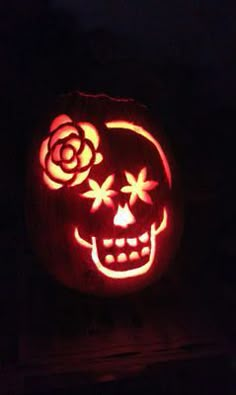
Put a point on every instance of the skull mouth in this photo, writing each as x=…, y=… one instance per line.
x=124, y=257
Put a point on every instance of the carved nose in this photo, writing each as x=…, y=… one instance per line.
x=123, y=217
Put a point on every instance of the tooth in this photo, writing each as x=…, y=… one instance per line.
x=109, y=259
x=132, y=242
x=134, y=255
x=120, y=242
x=108, y=242
x=144, y=237
x=145, y=251
x=122, y=257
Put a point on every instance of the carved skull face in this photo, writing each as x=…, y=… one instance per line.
x=124, y=203
x=114, y=180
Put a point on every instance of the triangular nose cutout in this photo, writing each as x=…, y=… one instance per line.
x=123, y=217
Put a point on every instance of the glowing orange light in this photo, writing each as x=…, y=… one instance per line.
x=59, y=120
x=90, y=133
x=100, y=194
x=67, y=153
x=115, y=274
x=43, y=152
x=145, y=251
x=67, y=156
x=50, y=183
x=132, y=242
x=134, y=255
x=109, y=259
x=120, y=242
x=123, y=217
x=141, y=131
x=80, y=240
x=108, y=243
x=57, y=171
x=163, y=223
x=144, y=237
x=139, y=187
x=61, y=133
x=122, y=257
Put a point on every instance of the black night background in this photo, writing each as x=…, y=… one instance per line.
x=179, y=58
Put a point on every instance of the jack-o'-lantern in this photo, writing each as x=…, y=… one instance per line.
x=105, y=215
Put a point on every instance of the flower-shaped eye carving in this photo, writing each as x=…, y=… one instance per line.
x=138, y=188
x=101, y=194
x=69, y=152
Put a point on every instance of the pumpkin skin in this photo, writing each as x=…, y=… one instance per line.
x=103, y=204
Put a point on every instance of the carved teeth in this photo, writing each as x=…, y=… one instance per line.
x=108, y=242
x=145, y=251
x=132, y=242
x=109, y=259
x=144, y=237
x=122, y=257
x=120, y=242
x=134, y=255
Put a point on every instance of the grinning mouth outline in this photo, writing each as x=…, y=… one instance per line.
x=117, y=274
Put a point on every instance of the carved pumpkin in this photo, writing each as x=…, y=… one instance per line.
x=105, y=216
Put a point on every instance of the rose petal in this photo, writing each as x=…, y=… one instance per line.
x=69, y=166
x=51, y=184
x=43, y=152
x=85, y=156
x=56, y=171
x=80, y=177
x=59, y=120
x=61, y=133
x=56, y=154
x=67, y=153
x=98, y=158
x=75, y=142
x=90, y=133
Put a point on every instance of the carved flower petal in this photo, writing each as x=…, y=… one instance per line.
x=68, y=166
x=43, y=152
x=80, y=177
x=59, y=120
x=56, y=155
x=98, y=158
x=130, y=178
x=75, y=142
x=90, y=133
x=61, y=133
x=85, y=156
x=56, y=171
x=51, y=184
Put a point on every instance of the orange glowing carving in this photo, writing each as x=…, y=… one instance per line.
x=132, y=241
x=109, y=259
x=122, y=257
x=150, y=252
x=134, y=255
x=141, y=131
x=138, y=187
x=69, y=152
x=58, y=121
x=123, y=217
x=81, y=241
x=108, y=243
x=120, y=242
x=145, y=251
x=144, y=237
x=100, y=194
x=90, y=133
x=163, y=223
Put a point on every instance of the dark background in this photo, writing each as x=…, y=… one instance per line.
x=178, y=57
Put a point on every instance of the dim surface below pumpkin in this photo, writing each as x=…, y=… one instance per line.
x=103, y=205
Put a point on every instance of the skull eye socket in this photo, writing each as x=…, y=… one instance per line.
x=139, y=187
x=100, y=194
